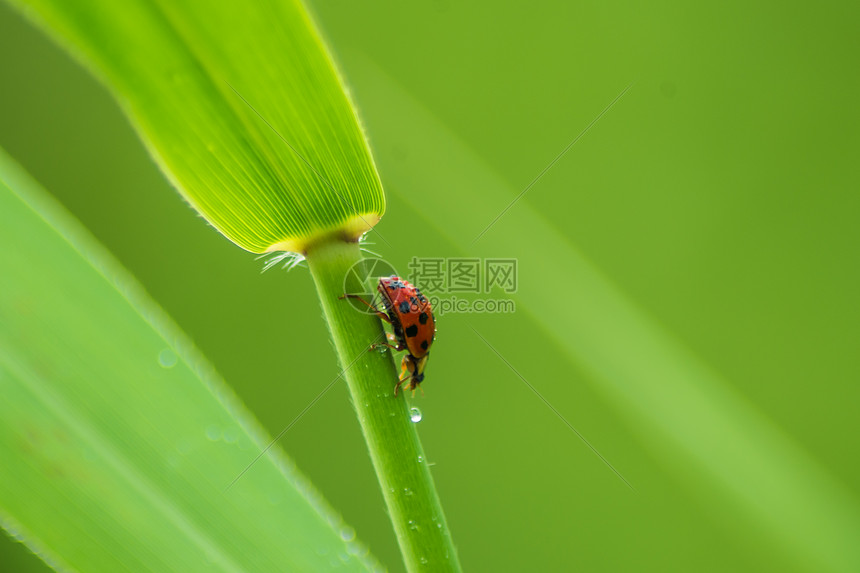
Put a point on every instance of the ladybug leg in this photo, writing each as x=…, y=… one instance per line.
x=412, y=386
x=397, y=346
x=401, y=382
x=378, y=312
x=407, y=366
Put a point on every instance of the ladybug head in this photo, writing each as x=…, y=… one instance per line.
x=415, y=368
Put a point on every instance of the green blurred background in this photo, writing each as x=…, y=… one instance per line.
x=721, y=194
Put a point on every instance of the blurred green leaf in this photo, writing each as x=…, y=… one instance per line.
x=240, y=105
x=117, y=440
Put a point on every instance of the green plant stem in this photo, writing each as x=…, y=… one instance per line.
x=391, y=436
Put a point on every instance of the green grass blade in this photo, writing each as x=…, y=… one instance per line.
x=117, y=440
x=726, y=453
x=404, y=476
x=240, y=105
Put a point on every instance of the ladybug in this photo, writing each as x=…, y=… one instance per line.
x=409, y=313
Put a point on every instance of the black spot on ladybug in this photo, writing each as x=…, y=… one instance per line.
x=422, y=318
x=404, y=307
x=412, y=331
x=424, y=345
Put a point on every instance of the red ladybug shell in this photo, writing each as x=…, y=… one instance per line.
x=410, y=313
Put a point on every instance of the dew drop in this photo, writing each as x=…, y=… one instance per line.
x=347, y=534
x=407, y=491
x=420, y=459
x=413, y=526
x=424, y=561
x=167, y=358
x=353, y=548
x=231, y=435
x=415, y=415
x=213, y=432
